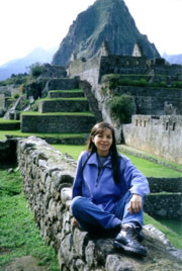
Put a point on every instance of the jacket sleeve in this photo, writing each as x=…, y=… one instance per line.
x=77, y=185
x=135, y=180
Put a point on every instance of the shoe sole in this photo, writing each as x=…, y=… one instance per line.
x=130, y=249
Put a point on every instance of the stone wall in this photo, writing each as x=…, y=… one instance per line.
x=6, y=102
x=123, y=65
x=65, y=94
x=50, y=71
x=9, y=90
x=9, y=126
x=86, y=70
x=58, y=123
x=47, y=179
x=156, y=205
x=152, y=100
x=64, y=105
x=92, y=100
x=63, y=84
x=41, y=87
x=94, y=69
x=157, y=135
x=171, y=185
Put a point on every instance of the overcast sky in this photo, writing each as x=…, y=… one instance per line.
x=27, y=24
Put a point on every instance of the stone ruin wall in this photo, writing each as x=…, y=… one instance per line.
x=158, y=135
x=86, y=70
x=47, y=180
x=147, y=102
x=153, y=101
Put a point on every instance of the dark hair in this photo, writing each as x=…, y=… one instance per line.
x=99, y=128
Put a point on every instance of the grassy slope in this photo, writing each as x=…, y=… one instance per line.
x=148, y=168
x=18, y=133
x=19, y=235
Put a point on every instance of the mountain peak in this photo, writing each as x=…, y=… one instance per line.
x=105, y=21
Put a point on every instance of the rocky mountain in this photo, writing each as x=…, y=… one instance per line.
x=106, y=21
x=22, y=65
x=173, y=59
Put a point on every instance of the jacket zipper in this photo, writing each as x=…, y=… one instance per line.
x=97, y=180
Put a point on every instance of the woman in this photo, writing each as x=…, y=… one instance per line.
x=108, y=191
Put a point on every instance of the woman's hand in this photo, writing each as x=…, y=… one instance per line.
x=135, y=204
x=75, y=222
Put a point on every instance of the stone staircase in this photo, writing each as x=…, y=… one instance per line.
x=64, y=111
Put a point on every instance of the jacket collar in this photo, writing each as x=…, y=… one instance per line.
x=93, y=160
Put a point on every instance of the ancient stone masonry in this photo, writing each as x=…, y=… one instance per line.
x=67, y=113
x=94, y=69
x=158, y=135
x=65, y=123
x=47, y=180
x=153, y=100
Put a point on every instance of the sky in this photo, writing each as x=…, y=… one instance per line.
x=27, y=24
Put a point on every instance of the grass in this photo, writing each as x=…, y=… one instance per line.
x=159, y=160
x=73, y=150
x=31, y=113
x=68, y=91
x=62, y=99
x=173, y=237
x=18, y=133
x=19, y=235
x=151, y=169
x=148, y=168
x=8, y=121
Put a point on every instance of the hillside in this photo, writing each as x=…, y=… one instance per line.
x=173, y=59
x=105, y=21
x=21, y=65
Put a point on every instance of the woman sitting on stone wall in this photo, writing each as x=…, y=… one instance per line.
x=108, y=191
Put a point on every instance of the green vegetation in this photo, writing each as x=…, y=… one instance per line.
x=16, y=95
x=148, y=168
x=63, y=99
x=73, y=150
x=31, y=113
x=173, y=237
x=18, y=133
x=67, y=91
x=126, y=82
x=156, y=159
x=151, y=169
x=138, y=80
x=8, y=121
x=19, y=235
x=177, y=84
x=15, y=79
x=121, y=108
x=36, y=70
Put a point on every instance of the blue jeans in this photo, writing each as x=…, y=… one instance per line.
x=89, y=214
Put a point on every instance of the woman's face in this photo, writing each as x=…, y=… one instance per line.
x=103, y=142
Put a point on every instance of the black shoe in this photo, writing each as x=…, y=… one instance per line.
x=127, y=240
x=140, y=236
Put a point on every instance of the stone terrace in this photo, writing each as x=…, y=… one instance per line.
x=64, y=111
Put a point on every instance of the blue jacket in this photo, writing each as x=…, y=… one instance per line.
x=100, y=187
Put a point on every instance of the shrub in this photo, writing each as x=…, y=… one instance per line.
x=143, y=82
x=121, y=108
x=36, y=69
x=16, y=96
x=163, y=84
x=177, y=84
